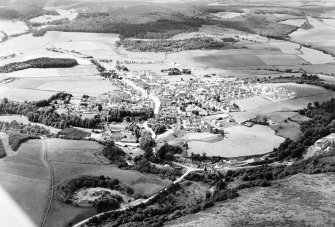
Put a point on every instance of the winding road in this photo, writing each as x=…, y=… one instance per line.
x=135, y=203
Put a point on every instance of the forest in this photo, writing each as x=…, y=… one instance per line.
x=176, y=45
x=43, y=62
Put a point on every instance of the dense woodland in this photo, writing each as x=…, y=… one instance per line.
x=176, y=45
x=107, y=202
x=46, y=115
x=44, y=62
x=100, y=23
x=322, y=123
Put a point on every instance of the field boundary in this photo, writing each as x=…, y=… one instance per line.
x=52, y=173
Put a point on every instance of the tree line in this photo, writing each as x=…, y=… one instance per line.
x=46, y=115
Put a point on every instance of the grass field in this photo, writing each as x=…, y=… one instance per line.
x=26, y=178
x=240, y=141
x=301, y=200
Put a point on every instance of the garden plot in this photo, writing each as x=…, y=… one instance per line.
x=13, y=27
x=240, y=141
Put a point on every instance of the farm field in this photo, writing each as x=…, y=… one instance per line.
x=240, y=141
x=35, y=89
x=13, y=27
x=300, y=200
x=27, y=180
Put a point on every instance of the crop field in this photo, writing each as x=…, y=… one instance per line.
x=300, y=200
x=321, y=35
x=25, y=174
x=13, y=27
x=240, y=141
x=283, y=59
x=43, y=87
x=200, y=137
x=251, y=103
x=26, y=44
x=22, y=95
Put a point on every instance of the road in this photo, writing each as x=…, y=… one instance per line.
x=153, y=97
x=52, y=174
x=188, y=171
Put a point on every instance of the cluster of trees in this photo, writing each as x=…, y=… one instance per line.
x=158, y=128
x=43, y=62
x=14, y=126
x=176, y=45
x=47, y=115
x=119, y=115
x=167, y=152
x=108, y=202
x=114, y=154
x=2, y=150
x=67, y=190
x=143, y=165
x=66, y=97
x=15, y=139
x=322, y=123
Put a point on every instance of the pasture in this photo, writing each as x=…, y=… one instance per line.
x=27, y=180
x=240, y=141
